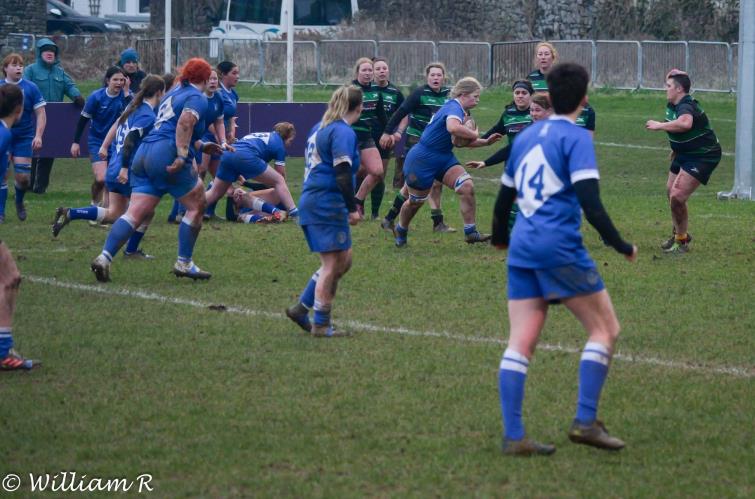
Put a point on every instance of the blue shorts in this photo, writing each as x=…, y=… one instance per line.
x=94, y=150
x=233, y=164
x=554, y=284
x=118, y=188
x=149, y=174
x=423, y=166
x=323, y=238
x=20, y=147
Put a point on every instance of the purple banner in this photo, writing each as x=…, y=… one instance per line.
x=252, y=117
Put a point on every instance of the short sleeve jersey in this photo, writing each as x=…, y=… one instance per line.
x=369, y=120
x=321, y=200
x=700, y=141
x=33, y=100
x=512, y=121
x=183, y=98
x=547, y=159
x=436, y=136
x=230, y=103
x=214, y=111
x=5, y=142
x=264, y=145
x=103, y=109
x=586, y=118
x=537, y=78
x=143, y=119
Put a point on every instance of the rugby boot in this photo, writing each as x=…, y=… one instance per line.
x=101, y=268
x=14, y=361
x=327, y=331
x=595, y=435
x=443, y=228
x=667, y=245
x=139, y=254
x=387, y=225
x=190, y=270
x=400, y=236
x=300, y=315
x=476, y=237
x=61, y=220
x=526, y=447
x=21, y=211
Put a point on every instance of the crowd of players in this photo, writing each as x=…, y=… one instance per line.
x=151, y=135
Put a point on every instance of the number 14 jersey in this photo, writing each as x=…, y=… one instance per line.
x=547, y=159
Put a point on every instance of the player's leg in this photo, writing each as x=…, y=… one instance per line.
x=372, y=166
x=3, y=192
x=436, y=211
x=188, y=232
x=133, y=250
x=334, y=265
x=10, y=280
x=416, y=199
x=278, y=183
x=99, y=168
x=299, y=312
x=378, y=192
x=461, y=182
x=398, y=202
x=596, y=313
x=22, y=184
x=682, y=188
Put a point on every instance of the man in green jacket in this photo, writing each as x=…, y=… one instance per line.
x=55, y=84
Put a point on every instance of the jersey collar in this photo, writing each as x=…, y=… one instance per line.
x=560, y=117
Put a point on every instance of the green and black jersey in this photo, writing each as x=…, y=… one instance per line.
x=373, y=114
x=421, y=105
x=586, y=119
x=537, y=78
x=513, y=120
x=700, y=141
x=392, y=100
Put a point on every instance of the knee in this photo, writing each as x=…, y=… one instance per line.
x=23, y=181
x=466, y=189
x=677, y=198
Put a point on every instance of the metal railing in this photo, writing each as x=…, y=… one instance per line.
x=623, y=64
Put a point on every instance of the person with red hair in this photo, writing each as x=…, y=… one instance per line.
x=163, y=164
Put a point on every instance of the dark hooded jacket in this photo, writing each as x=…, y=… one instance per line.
x=52, y=80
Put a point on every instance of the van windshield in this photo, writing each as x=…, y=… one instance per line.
x=256, y=11
x=306, y=12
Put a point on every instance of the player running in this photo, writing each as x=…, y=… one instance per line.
x=134, y=124
x=26, y=134
x=552, y=173
x=696, y=152
x=163, y=164
x=432, y=160
x=327, y=207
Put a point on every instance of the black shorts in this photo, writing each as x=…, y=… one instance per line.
x=701, y=169
x=384, y=153
x=365, y=142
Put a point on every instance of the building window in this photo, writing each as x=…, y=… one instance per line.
x=121, y=6
x=144, y=6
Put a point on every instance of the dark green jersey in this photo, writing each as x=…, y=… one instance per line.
x=392, y=100
x=421, y=105
x=586, y=119
x=512, y=121
x=538, y=81
x=373, y=115
x=699, y=141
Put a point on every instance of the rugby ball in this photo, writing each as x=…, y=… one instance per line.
x=460, y=142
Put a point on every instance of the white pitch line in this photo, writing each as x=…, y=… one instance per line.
x=740, y=372
x=649, y=148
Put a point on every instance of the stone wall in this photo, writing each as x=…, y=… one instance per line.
x=22, y=16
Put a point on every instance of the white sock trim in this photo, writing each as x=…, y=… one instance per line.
x=514, y=361
x=101, y=212
x=596, y=352
x=125, y=217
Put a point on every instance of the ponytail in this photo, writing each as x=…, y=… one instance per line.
x=151, y=85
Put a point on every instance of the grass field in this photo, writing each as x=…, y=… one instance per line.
x=141, y=376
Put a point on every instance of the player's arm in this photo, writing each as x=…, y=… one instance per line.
x=80, y=125
x=409, y=105
x=588, y=195
x=346, y=186
x=108, y=140
x=497, y=128
x=503, y=203
x=680, y=125
x=41, y=115
x=184, y=127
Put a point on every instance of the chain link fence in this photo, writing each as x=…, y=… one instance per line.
x=623, y=64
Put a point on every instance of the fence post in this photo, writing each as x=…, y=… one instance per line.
x=594, y=61
x=729, y=64
x=639, y=65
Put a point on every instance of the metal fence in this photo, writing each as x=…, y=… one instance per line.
x=623, y=64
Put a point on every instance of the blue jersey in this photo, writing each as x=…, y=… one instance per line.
x=547, y=158
x=143, y=119
x=181, y=98
x=5, y=141
x=103, y=109
x=436, y=136
x=266, y=146
x=214, y=111
x=230, y=100
x=321, y=200
x=26, y=127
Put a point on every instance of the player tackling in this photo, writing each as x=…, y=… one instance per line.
x=553, y=175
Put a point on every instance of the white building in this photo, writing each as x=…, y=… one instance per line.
x=133, y=12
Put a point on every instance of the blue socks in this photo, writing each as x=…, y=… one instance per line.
x=470, y=229
x=135, y=239
x=187, y=238
x=260, y=205
x=593, y=369
x=119, y=234
x=6, y=341
x=293, y=212
x=3, y=196
x=322, y=314
x=401, y=233
x=20, y=193
x=87, y=213
x=307, y=297
x=512, y=376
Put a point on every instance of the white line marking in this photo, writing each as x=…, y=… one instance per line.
x=740, y=372
x=642, y=117
x=649, y=148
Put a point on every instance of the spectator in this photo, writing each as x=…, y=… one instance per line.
x=54, y=83
x=130, y=63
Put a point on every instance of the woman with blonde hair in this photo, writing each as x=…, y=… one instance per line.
x=546, y=57
x=432, y=159
x=327, y=207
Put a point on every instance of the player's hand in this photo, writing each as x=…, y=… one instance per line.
x=354, y=218
x=238, y=194
x=653, y=125
x=123, y=176
x=228, y=147
x=127, y=86
x=494, y=138
x=633, y=257
x=475, y=165
x=36, y=144
x=211, y=148
x=102, y=153
x=75, y=150
x=386, y=141
x=175, y=166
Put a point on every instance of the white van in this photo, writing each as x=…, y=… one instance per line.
x=263, y=19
